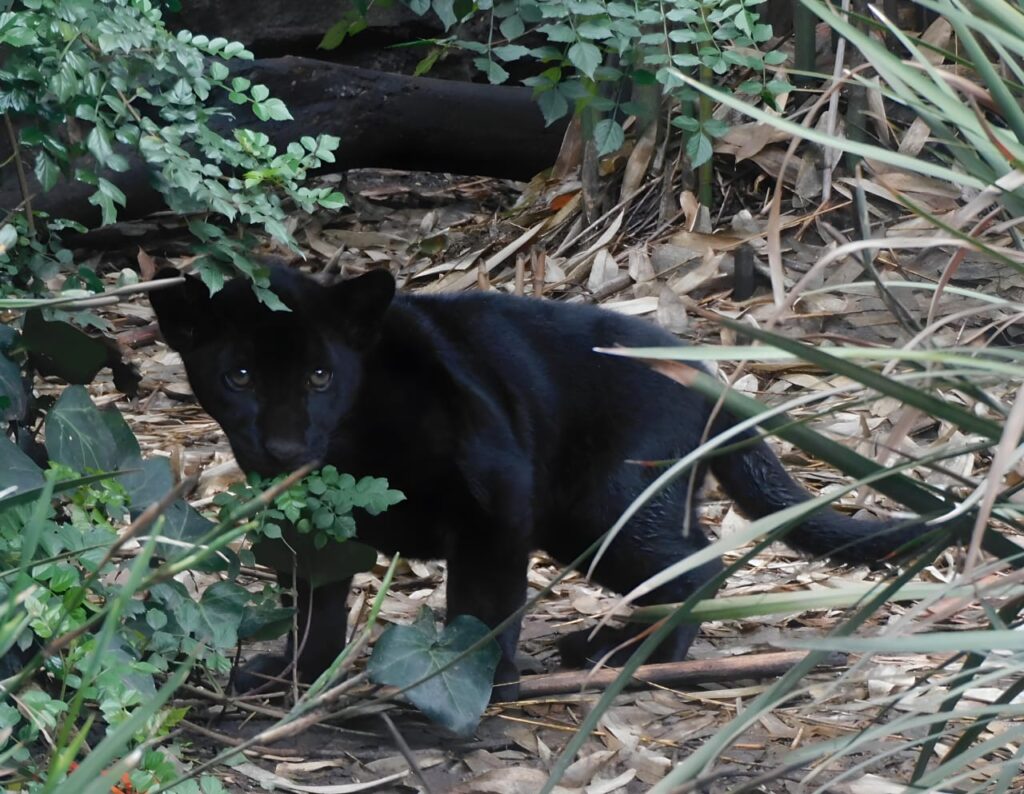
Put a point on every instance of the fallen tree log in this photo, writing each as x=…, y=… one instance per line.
x=383, y=120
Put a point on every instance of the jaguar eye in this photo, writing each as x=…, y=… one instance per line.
x=319, y=379
x=238, y=378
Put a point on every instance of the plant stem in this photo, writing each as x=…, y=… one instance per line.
x=19, y=166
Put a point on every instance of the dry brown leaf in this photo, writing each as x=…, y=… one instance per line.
x=147, y=265
x=746, y=140
x=671, y=314
x=603, y=269
x=633, y=306
x=639, y=160
x=691, y=209
x=270, y=780
x=915, y=137
x=640, y=266
x=939, y=37
x=513, y=780
x=393, y=764
x=702, y=243
x=609, y=786
x=582, y=771
x=689, y=278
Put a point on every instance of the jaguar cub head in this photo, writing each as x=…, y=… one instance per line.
x=280, y=383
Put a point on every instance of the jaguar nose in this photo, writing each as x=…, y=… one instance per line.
x=287, y=452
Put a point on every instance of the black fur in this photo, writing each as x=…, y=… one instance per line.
x=505, y=430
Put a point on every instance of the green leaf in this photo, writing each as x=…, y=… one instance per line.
x=512, y=27
x=510, y=52
x=18, y=468
x=12, y=387
x=76, y=434
x=494, y=71
x=560, y=33
x=14, y=32
x=552, y=105
x=297, y=551
x=333, y=201
x=456, y=697
x=46, y=171
x=274, y=110
x=585, y=56
x=222, y=607
x=218, y=71
x=58, y=348
x=608, y=136
x=98, y=144
x=699, y=149
x=594, y=29
x=445, y=10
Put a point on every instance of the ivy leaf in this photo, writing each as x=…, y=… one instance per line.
x=454, y=698
x=76, y=434
x=58, y=348
x=12, y=389
x=222, y=608
x=18, y=468
x=585, y=56
x=296, y=551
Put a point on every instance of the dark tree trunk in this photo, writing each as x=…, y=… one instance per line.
x=383, y=120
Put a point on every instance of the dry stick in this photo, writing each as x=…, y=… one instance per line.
x=538, y=263
x=407, y=753
x=19, y=167
x=233, y=741
x=694, y=671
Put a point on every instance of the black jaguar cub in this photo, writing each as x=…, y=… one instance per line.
x=504, y=429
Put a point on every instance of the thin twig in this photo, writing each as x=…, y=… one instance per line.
x=19, y=167
x=406, y=751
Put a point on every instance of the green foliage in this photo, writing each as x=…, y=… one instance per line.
x=319, y=505
x=593, y=48
x=58, y=580
x=115, y=627
x=459, y=684
x=90, y=84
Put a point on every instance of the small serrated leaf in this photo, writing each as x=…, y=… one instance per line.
x=585, y=56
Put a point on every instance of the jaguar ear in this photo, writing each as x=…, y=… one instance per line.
x=183, y=310
x=362, y=303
